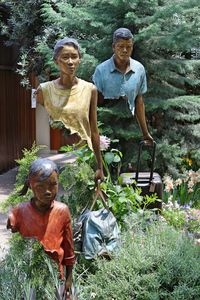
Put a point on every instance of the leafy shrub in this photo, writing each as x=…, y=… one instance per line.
x=183, y=218
x=158, y=263
x=27, y=266
x=77, y=180
x=23, y=169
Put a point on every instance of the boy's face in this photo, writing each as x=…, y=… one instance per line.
x=44, y=190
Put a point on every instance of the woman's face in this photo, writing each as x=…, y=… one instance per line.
x=68, y=60
x=44, y=190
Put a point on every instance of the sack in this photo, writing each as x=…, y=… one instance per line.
x=97, y=232
x=100, y=234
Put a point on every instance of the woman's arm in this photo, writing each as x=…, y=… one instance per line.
x=39, y=96
x=95, y=134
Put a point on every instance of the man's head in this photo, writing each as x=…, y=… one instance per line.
x=122, y=44
x=122, y=33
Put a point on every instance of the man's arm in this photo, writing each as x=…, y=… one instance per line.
x=100, y=98
x=140, y=115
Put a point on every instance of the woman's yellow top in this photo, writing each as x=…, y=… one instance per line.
x=70, y=106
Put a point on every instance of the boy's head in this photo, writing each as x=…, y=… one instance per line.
x=43, y=180
x=43, y=168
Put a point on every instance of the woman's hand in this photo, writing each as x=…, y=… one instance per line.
x=99, y=175
x=148, y=139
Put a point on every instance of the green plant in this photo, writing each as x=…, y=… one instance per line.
x=27, y=266
x=158, y=263
x=79, y=185
x=174, y=217
x=23, y=169
x=183, y=218
x=124, y=200
x=77, y=180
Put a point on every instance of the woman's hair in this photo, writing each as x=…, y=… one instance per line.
x=41, y=167
x=65, y=41
x=122, y=33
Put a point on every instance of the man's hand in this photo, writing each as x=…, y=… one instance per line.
x=148, y=139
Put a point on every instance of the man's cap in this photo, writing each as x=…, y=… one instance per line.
x=122, y=33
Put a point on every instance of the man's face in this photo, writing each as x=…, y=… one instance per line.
x=44, y=191
x=123, y=49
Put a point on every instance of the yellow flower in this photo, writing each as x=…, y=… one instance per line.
x=187, y=160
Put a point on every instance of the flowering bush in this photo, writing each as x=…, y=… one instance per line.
x=183, y=218
x=184, y=190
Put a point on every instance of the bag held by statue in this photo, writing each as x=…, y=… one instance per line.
x=97, y=231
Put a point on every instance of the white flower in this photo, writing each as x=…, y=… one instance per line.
x=176, y=205
x=168, y=181
x=104, y=142
x=169, y=186
x=93, y=295
x=190, y=184
x=178, y=181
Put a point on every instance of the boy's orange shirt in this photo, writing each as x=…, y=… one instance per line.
x=53, y=229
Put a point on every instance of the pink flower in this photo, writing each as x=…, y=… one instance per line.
x=169, y=186
x=190, y=190
x=104, y=142
x=168, y=181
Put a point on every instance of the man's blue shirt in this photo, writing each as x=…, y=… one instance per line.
x=114, y=84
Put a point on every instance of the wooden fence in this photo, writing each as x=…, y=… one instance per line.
x=17, y=118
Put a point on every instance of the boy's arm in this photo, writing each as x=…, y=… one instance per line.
x=12, y=220
x=68, y=247
x=68, y=276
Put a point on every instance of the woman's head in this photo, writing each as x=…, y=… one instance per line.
x=67, y=56
x=63, y=42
